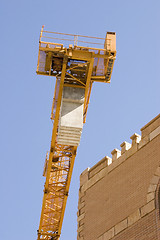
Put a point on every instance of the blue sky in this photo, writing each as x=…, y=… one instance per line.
x=116, y=110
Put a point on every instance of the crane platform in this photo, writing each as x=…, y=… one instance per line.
x=76, y=61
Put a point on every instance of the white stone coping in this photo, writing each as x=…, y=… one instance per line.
x=88, y=179
x=149, y=123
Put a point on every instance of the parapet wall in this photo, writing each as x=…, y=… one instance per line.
x=118, y=192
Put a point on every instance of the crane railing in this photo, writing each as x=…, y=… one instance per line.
x=76, y=40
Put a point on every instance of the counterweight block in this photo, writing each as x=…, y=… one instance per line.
x=71, y=116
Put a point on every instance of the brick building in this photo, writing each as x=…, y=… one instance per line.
x=119, y=197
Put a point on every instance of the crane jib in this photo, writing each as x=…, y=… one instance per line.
x=75, y=66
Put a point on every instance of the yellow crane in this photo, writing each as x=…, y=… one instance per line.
x=76, y=61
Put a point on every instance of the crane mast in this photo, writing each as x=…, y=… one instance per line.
x=75, y=66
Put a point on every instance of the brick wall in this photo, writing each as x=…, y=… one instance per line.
x=118, y=197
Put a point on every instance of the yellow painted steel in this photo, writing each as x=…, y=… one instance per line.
x=73, y=66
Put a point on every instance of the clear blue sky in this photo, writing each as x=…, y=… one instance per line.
x=116, y=111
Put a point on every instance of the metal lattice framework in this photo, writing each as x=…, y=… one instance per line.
x=73, y=66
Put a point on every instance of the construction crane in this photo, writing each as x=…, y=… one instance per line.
x=76, y=66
